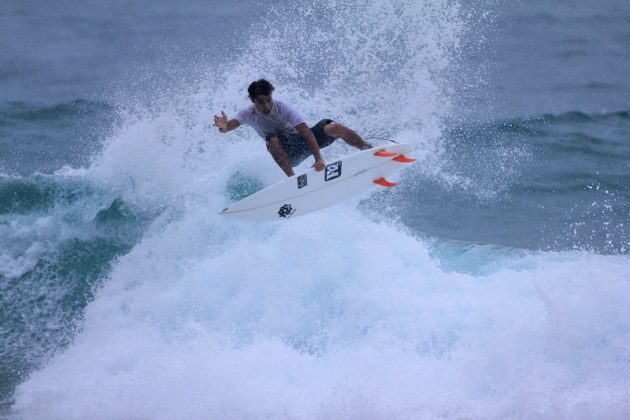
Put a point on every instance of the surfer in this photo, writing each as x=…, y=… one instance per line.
x=289, y=138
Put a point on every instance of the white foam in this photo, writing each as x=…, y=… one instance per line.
x=335, y=316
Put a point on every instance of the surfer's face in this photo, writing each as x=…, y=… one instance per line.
x=263, y=103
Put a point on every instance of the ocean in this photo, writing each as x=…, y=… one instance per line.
x=492, y=282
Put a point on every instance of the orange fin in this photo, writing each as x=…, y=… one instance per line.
x=404, y=159
x=384, y=153
x=384, y=183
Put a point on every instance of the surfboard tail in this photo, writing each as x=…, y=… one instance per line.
x=403, y=159
x=384, y=183
x=400, y=158
x=384, y=153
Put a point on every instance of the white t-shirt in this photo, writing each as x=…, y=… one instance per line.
x=281, y=120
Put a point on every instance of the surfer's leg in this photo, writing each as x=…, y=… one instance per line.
x=337, y=130
x=274, y=146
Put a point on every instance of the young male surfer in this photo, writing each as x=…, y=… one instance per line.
x=289, y=139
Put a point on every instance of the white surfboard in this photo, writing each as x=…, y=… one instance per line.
x=313, y=190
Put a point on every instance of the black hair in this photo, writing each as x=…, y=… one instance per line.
x=259, y=87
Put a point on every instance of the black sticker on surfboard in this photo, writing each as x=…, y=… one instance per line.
x=302, y=181
x=286, y=211
x=333, y=171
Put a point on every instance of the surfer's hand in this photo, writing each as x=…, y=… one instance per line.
x=319, y=164
x=221, y=122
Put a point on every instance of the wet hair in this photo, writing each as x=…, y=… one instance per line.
x=259, y=87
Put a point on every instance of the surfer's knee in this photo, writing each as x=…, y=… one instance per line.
x=335, y=129
x=273, y=142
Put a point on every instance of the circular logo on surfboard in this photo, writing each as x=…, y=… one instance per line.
x=286, y=211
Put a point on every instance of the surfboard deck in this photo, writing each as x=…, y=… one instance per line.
x=312, y=190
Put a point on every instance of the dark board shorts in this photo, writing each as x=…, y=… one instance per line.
x=296, y=146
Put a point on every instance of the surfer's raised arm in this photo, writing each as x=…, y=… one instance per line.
x=223, y=124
